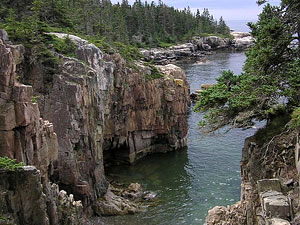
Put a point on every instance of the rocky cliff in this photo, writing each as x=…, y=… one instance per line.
x=270, y=187
x=101, y=110
x=26, y=195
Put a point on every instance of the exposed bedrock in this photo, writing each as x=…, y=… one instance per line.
x=270, y=187
x=106, y=112
x=26, y=195
x=198, y=47
x=146, y=116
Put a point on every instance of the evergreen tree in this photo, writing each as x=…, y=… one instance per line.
x=153, y=23
x=271, y=79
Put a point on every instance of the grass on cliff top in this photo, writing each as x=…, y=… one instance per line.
x=155, y=73
x=9, y=164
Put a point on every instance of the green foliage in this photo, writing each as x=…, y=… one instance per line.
x=295, y=123
x=165, y=44
x=9, y=164
x=155, y=73
x=202, y=123
x=102, y=44
x=270, y=84
x=35, y=98
x=64, y=46
x=128, y=52
x=216, y=34
x=140, y=24
x=3, y=218
x=30, y=31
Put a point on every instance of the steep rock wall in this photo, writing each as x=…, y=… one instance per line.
x=23, y=134
x=26, y=195
x=97, y=103
x=145, y=116
x=269, y=187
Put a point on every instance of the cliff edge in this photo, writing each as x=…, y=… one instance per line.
x=102, y=112
x=270, y=180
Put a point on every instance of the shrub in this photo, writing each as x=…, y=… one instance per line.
x=155, y=73
x=295, y=118
x=35, y=98
x=9, y=164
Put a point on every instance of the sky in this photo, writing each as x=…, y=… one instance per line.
x=229, y=9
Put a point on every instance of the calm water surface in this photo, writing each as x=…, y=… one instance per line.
x=190, y=182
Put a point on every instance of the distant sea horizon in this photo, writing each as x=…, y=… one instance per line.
x=238, y=25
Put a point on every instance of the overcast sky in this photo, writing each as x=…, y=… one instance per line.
x=229, y=9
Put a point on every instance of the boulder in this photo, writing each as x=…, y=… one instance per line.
x=3, y=35
x=269, y=185
x=112, y=205
x=242, y=40
x=275, y=204
x=134, y=187
x=206, y=86
x=277, y=221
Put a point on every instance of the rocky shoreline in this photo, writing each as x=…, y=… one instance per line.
x=197, y=48
x=270, y=182
x=103, y=112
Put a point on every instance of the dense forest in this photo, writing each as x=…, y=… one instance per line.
x=141, y=24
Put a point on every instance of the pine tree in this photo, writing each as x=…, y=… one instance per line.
x=271, y=73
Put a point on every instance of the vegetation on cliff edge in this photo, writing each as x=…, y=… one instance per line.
x=9, y=164
x=141, y=24
x=270, y=83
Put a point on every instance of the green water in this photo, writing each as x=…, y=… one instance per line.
x=190, y=182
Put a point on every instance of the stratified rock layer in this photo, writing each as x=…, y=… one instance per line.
x=146, y=116
x=26, y=195
x=105, y=112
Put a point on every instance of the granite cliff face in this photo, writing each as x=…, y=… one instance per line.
x=26, y=195
x=146, y=116
x=23, y=135
x=270, y=188
x=101, y=112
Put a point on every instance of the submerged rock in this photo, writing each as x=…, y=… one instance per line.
x=120, y=201
x=149, y=196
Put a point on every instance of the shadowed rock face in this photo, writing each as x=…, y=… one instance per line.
x=26, y=195
x=21, y=191
x=145, y=116
x=269, y=187
x=23, y=134
x=100, y=106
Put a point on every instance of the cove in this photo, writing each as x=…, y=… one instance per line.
x=190, y=182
